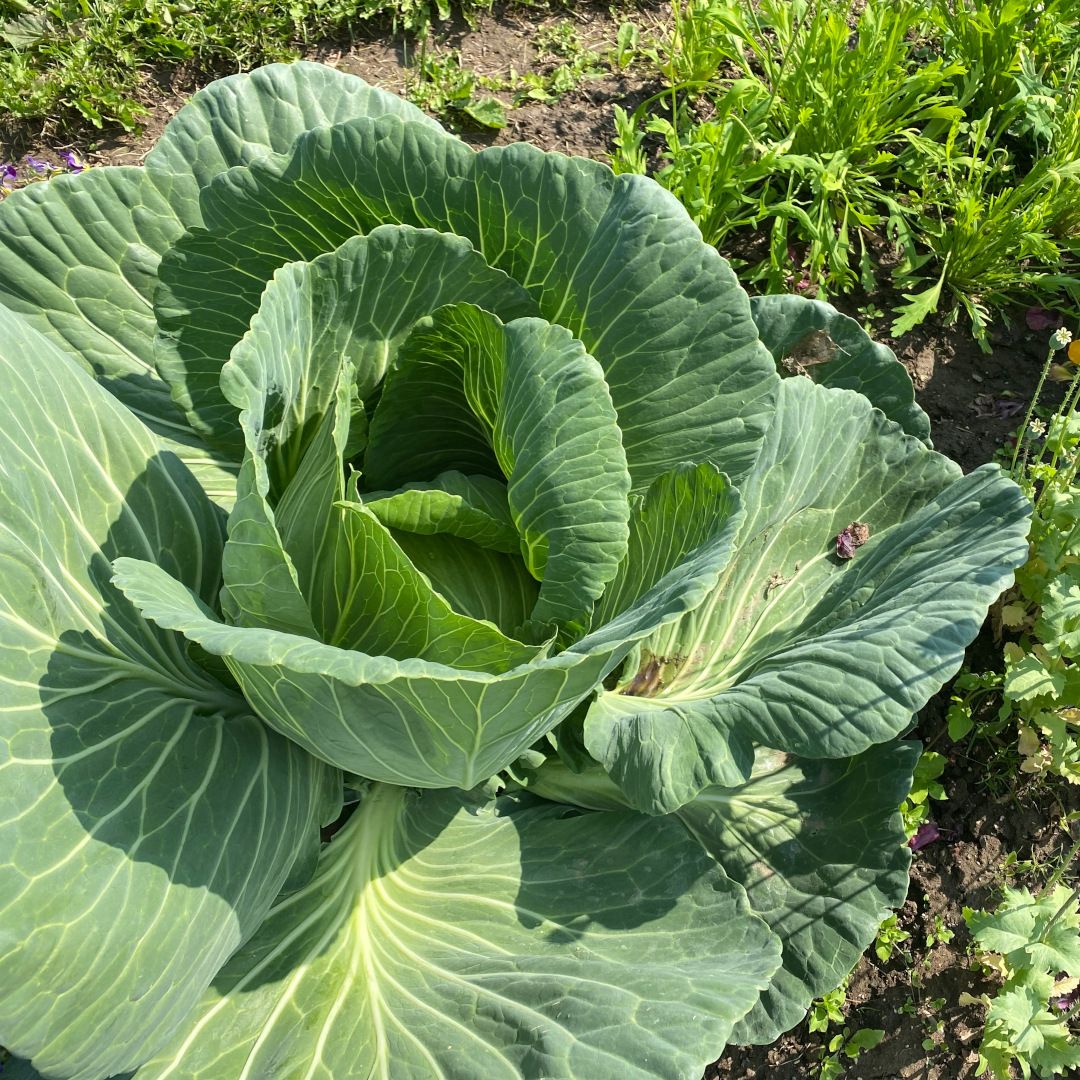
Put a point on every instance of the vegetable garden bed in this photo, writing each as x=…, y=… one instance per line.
x=992, y=827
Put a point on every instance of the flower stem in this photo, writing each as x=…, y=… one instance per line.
x=1031, y=409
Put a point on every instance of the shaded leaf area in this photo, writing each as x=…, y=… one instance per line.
x=799, y=649
x=441, y=937
x=810, y=337
x=149, y=819
x=818, y=845
x=476, y=581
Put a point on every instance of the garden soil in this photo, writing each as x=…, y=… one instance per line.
x=915, y=996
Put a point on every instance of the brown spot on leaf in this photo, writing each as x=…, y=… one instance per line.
x=650, y=678
x=814, y=347
x=647, y=682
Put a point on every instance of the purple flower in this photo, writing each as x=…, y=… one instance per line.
x=42, y=168
x=74, y=162
x=1066, y=1001
x=1040, y=318
x=8, y=175
x=926, y=834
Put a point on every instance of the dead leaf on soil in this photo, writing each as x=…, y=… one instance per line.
x=996, y=406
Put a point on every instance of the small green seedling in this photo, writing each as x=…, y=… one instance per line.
x=889, y=935
x=849, y=1043
x=827, y=1009
x=939, y=934
x=915, y=809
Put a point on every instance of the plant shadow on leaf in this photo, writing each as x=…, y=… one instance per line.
x=175, y=727
x=538, y=923
x=822, y=883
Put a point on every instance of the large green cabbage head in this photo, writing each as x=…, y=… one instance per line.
x=341, y=463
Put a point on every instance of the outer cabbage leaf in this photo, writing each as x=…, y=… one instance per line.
x=814, y=338
x=798, y=649
x=80, y=256
x=147, y=819
x=819, y=848
x=818, y=845
x=81, y=252
x=616, y=260
x=235, y=120
x=444, y=938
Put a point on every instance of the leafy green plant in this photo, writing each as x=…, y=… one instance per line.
x=779, y=118
x=968, y=691
x=1040, y=684
x=711, y=165
x=570, y=64
x=889, y=936
x=1002, y=50
x=848, y=1043
x=939, y=934
x=627, y=41
x=88, y=59
x=925, y=785
x=441, y=85
x=452, y=502
x=828, y=1009
x=812, y=121
x=1036, y=941
x=989, y=234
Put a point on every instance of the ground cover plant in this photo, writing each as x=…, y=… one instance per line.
x=87, y=59
x=352, y=467
x=1022, y=715
x=948, y=130
x=1034, y=942
x=1038, y=686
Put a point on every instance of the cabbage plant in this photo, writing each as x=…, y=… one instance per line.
x=429, y=643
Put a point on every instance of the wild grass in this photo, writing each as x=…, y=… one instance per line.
x=85, y=59
x=950, y=127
